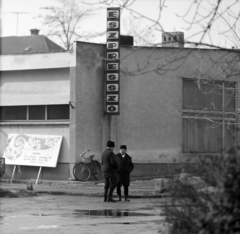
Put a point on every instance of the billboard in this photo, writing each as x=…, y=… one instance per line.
x=32, y=150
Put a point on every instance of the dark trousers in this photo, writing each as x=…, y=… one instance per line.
x=110, y=180
x=119, y=185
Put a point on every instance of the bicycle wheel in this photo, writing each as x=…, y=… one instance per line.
x=97, y=170
x=81, y=172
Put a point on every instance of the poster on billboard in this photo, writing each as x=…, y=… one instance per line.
x=32, y=150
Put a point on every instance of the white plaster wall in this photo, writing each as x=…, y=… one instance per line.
x=36, y=61
x=150, y=120
x=35, y=87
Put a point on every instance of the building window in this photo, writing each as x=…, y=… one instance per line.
x=209, y=116
x=34, y=113
x=13, y=113
x=57, y=112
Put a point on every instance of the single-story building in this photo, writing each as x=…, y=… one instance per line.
x=34, y=96
x=175, y=104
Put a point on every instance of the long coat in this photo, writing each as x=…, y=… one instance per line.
x=125, y=168
x=109, y=163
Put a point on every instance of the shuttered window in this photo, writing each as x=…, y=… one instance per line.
x=209, y=116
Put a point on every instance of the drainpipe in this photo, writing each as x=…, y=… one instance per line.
x=112, y=129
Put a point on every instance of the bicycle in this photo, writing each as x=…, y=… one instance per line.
x=82, y=171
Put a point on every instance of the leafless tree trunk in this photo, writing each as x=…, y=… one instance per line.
x=63, y=22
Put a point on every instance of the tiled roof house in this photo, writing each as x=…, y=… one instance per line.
x=31, y=44
x=34, y=82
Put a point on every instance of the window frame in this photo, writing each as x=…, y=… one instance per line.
x=224, y=116
x=45, y=120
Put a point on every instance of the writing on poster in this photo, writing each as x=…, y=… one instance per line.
x=32, y=150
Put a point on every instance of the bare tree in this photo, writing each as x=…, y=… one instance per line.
x=143, y=35
x=232, y=21
x=63, y=22
x=201, y=17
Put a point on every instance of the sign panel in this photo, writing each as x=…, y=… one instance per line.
x=112, y=98
x=113, y=13
x=112, y=35
x=112, y=61
x=112, y=45
x=112, y=76
x=112, y=66
x=112, y=88
x=112, y=24
x=32, y=150
x=112, y=55
x=112, y=109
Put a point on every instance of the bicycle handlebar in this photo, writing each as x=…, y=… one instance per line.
x=84, y=152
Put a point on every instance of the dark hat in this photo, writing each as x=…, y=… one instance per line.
x=110, y=144
x=123, y=147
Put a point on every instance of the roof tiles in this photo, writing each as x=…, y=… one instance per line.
x=28, y=45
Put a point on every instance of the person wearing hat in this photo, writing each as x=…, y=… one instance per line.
x=125, y=168
x=109, y=169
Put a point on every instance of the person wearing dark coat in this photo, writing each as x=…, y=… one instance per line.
x=109, y=169
x=125, y=168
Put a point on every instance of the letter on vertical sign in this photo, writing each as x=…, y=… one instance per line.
x=112, y=24
x=112, y=108
x=112, y=55
x=112, y=45
x=113, y=14
x=112, y=35
x=112, y=87
x=112, y=76
x=112, y=66
x=112, y=98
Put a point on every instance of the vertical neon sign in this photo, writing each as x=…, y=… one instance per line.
x=113, y=62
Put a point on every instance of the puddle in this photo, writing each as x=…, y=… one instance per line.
x=104, y=213
x=44, y=214
x=110, y=212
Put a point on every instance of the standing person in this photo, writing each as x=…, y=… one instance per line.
x=109, y=169
x=126, y=167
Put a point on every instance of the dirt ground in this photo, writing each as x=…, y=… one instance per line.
x=16, y=193
x=25, y=212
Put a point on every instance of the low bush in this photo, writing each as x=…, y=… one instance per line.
x=204, y=211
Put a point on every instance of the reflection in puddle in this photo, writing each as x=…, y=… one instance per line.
x=44, y=214
x=110, y=212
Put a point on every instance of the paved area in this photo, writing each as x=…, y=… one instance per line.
x=60, y=214
x=78, y=207
x=138, y=188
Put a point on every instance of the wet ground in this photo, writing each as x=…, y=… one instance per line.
x=80, y=214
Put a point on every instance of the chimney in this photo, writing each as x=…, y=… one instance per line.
x=34, y=32
x=173, y=39
x=126, y=40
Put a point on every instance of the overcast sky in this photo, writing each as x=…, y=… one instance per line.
x=19, y=16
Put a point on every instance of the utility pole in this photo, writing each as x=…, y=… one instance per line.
x=17, y=13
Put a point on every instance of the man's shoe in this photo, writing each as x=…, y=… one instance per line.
x=126, y=199
x=111, y=200
x=119, y=199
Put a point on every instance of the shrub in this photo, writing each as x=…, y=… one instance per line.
x=199, y=211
